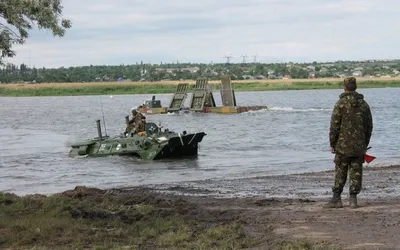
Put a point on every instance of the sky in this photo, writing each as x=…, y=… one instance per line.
x=118, y=32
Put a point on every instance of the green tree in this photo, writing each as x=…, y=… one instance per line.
x=19, y=16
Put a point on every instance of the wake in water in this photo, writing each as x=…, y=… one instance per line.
x=290, y=109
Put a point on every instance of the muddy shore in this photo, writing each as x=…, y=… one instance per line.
x=294, y=203
x=275, y=212
x=378, y=182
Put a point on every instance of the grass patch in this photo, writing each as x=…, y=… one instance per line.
x=90, y=218
x=87, y=90
x=108, y=88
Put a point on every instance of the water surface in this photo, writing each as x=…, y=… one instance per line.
x=291, y=136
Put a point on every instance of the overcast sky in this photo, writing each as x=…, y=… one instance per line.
x=117, y=32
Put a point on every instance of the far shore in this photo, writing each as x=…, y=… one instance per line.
x=119, y=88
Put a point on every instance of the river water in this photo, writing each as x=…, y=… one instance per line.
x=291, y=136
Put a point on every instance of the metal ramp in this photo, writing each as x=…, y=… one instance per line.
x=227, y=93
x=178, y=99
x=202, y=96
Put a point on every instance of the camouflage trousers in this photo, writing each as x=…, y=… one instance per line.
x=348, y=165
x=130, y=128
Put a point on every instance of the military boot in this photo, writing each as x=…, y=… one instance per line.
x=353, y=201
x=334, y=202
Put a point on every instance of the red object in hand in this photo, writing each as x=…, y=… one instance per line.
x=369, y=158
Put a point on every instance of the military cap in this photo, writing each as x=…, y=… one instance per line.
x=349, y=80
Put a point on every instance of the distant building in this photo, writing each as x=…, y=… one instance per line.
x=311, y=68
x=259, y=77
x=247, y=77
x=191, y=69
x=287, y=76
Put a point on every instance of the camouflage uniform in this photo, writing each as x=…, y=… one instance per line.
x=140, y=123
x=349, y=136
x=137, y=123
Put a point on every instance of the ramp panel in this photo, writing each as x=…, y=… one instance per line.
x=179, y=97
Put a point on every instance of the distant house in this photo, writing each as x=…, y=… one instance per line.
x=357, y=73
x=287, y=76
x=311, y=75
x=247, y=77
x=311, y=68
x=259, y=77
x=191, y=69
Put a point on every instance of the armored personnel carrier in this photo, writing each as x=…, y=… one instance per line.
x=153, y=144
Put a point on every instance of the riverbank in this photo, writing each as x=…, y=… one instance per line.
x=117, y=88
x=135, y=219
x=290, y=215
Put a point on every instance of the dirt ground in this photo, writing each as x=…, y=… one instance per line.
x=290, y=207
x=273, y=212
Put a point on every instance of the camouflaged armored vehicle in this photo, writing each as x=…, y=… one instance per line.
x=153, y=144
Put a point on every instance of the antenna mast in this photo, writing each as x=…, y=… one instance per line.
x=104, y=121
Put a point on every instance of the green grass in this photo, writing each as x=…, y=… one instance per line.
x=37, y=90
x=89, y=90
x=90, y=219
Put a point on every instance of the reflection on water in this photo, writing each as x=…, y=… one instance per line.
x=289, y=137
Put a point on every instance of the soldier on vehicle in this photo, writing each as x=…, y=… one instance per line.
x=349, y=136
x=140, y=123
x=137, y=123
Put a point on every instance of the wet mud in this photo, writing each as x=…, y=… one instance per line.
x=290, y=207
x=378, y=182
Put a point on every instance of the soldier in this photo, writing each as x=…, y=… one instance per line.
x=140, y=123
x=137, y=123
x=349, y=136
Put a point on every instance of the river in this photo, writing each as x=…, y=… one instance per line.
x=291, y=136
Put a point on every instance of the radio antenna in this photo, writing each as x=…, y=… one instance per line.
x=104, y=121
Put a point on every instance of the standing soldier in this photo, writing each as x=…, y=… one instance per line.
x=349, y=136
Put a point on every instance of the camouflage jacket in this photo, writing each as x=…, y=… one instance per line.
x=351, y=125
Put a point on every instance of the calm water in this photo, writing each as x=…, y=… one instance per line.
x=289, y=137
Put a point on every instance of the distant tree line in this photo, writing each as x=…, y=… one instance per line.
x=11, y=73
